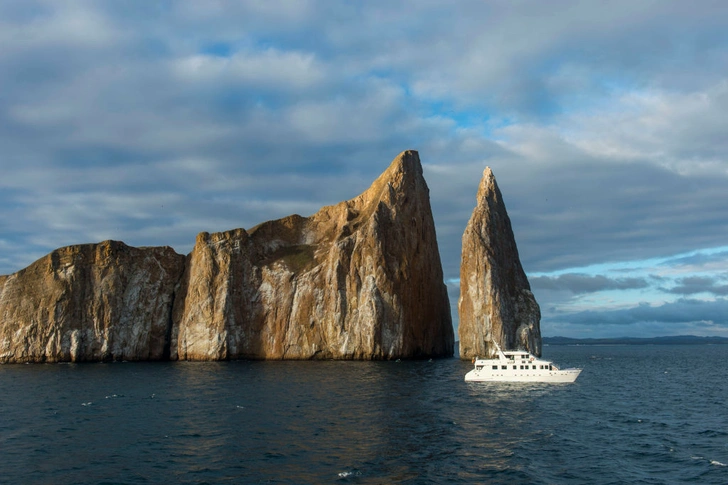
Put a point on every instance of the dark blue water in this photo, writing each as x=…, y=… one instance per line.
x=637, y=414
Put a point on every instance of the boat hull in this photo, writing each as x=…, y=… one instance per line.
x=555, y=376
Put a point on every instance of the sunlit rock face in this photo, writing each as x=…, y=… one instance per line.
x=93, y=302
x=358, y=280
x=496, y=303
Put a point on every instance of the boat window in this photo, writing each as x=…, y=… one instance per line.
x=478, y=367
x=521, y=367
x=504, y=367
x=534, y=366
x=515, y=367
x=495, y=367
x=550, y=367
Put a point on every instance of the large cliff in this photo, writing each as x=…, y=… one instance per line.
x=93, y=302
x=358, y=280
x=496, y=303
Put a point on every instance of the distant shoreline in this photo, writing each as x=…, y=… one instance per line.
x=672, y=340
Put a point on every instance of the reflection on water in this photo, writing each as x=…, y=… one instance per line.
x=505, y=425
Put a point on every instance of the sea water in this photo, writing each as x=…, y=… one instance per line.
x=636, y=414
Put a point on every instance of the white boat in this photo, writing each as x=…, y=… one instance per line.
x=518, y=366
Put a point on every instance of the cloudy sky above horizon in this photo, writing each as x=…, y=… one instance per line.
x=605, y=124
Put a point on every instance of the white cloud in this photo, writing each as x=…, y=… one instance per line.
x=680, y=131
x=368, y=118
x=267, y=70
x=73, y=24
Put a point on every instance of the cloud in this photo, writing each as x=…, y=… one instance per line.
x=692, y=285
x=712, y=313
x=681, y=131
x=613, y=212
x=535, y=60
x=75, y=24
x=581, y=283
x=702, y=261
x=268, y=70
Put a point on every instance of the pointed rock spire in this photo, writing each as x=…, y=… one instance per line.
x=361, y=279
x=496, y=303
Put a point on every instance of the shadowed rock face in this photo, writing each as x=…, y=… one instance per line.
x=358, y=280
x=94, y=302
x=496, y=303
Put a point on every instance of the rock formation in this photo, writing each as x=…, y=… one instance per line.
x=93, y=302
x=496, y=303
x=358, y=280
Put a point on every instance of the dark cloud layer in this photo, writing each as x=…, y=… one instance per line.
x=699, y=284
x=702, y=313
x=581, y=283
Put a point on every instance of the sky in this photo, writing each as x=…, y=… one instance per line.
x=605, y=124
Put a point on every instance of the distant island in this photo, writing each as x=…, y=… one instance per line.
x=671, y=340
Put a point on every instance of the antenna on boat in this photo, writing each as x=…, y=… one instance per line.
x=500, y=352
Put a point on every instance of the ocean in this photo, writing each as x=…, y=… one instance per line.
x=636, y=414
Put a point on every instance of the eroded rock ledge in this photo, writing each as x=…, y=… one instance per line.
x=358, y=280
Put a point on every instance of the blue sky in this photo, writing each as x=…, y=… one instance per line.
x=604, y=123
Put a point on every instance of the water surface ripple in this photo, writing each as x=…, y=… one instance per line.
x=637, y=414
